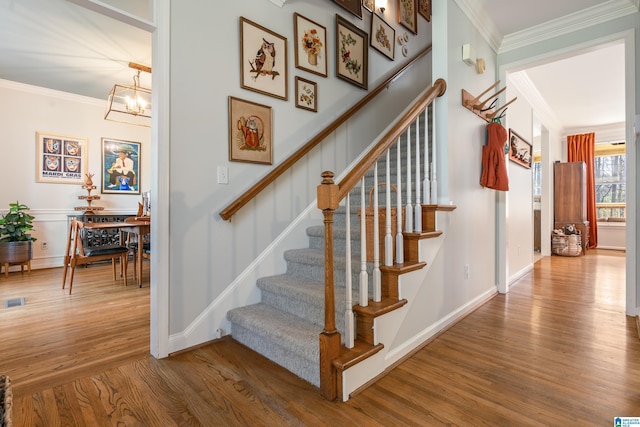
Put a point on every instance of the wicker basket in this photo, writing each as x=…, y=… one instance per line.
x=6, y=402
x=566, y=245
x=382, y=225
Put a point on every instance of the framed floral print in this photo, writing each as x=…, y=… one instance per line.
x=250, y=132
x=60, y=159
x=310, y=45
x=306, y=94
x=370, y=5
x=383, y=36
x=424, y=9
x=352, y=45
x=263, y=60
x=407, y=15
x=353, y=6
x=120, y=166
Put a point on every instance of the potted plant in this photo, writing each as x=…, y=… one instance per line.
x=15, y=238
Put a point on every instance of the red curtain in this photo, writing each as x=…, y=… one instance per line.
x=581, y=148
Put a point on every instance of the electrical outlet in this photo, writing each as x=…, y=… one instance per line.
x=223, y=175
x=466, y=271
x=44, y=246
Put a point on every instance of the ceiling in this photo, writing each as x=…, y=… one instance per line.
x=61, y=45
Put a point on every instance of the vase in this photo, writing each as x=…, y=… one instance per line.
x=313, y=58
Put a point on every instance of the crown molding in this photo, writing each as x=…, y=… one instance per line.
x=545, y=114
x=482, y=22
x=613, y=132
x=38, y=90
x=567, y=24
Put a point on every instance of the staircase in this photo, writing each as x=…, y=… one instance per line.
x=291, y=325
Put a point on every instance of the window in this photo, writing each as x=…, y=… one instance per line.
x=610, y=179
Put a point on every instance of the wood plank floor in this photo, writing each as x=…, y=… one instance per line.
x=557, y=350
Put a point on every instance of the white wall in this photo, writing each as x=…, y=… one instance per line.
x=26, y=110
x=207, y=253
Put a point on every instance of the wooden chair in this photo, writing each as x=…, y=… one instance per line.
x=131, y=242
x=75, y=254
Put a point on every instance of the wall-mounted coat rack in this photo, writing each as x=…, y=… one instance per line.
x=483, y=108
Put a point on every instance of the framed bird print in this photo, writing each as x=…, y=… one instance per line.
x=250, y=132
x=352, y=45
x=310, y=45
x=263, y=60
x=60, y=159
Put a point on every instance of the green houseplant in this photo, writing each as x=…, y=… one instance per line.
x=15, y=238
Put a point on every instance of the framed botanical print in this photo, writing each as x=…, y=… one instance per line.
x=120, y=166
x=352, y=45
x=370, y=5
x=383, y=36
x=310, y=45
x=60, y=159
x=407, y=15
x=250, y=132
x=424, y=9
x=519, y=150
x=263, y=60
x=353, y=6
x=306, y=94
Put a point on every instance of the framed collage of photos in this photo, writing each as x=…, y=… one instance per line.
x=60, y=159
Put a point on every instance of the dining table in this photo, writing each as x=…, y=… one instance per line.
x=138, y=226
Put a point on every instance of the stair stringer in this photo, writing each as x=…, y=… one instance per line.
x=387, y=326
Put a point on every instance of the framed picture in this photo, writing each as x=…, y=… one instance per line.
x=60, y=159
x=306, y=94
x=352, y=45
x=407, y=15
x=424, y=9
x=250, y=132
x=370, y=5
x=383, y=36
x=353, y=6
x=120, y=167
x=520, y=151
x=263, y=60
x=310, y=45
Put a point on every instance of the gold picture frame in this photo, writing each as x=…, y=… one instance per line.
x=408, y=15
x=306, y=94
x=310, y=45
x=250, y=132
x=520, y=151
x=263, y=60
x=424, y=9
x=60, y=159
x=383, y=36
x=352, y=47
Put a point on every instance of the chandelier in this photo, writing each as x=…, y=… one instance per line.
x=130, y=104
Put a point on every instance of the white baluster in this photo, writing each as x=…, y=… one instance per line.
x=399, y=239
x=427, y=182
x=408, y=214
x=434, y=179
x=377, y=277
x=364, y=276
x=417, y=220
x=388, y=238
x=349, y=319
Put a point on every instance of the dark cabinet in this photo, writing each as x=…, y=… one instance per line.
x=570, y=198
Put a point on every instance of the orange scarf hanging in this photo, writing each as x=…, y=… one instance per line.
x=581, y=148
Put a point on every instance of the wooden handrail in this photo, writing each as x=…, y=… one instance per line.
x=264, y=182
x=438, y=88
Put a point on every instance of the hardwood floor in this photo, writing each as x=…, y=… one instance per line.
x=557, y=350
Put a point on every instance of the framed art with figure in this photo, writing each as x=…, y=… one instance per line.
x=60, y=159
x=250, y=132
x=263, y=60
x=120, y=167
x=351, y=53
x=519, y=150
x=310, y=45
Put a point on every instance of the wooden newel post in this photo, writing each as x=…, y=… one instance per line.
x=329, y=338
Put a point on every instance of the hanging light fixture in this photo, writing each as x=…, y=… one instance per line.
x=130, y=104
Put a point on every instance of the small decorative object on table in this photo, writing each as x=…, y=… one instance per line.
x=88, y=185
